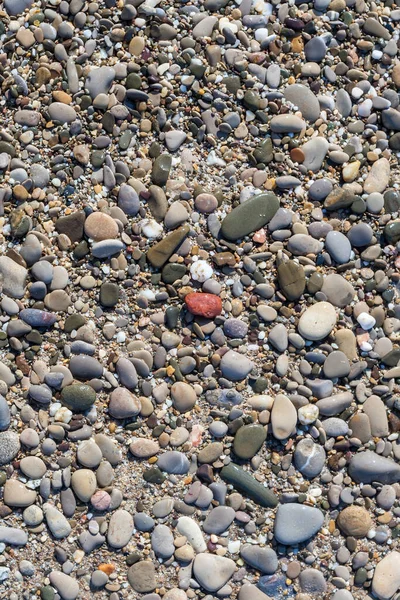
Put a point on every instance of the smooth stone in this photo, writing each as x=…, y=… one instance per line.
x=309, y=458
x=338, y=290
x=183, y=396
x=85, y=367
x=244, y=482
x=262, y=559
x=107, y=248
x=296, y=523
x=127, y=373
x=38, y=318
x=142, y=576
x=99, y=81
x=367, y=466
x=286, y=124
x=162, y=541
x=317, y=321
x=16, y=494
x=120, y=529
x=56, y=522
x=248, y=440
x=13, y=536
x=360, y=235
x=283, y=417
x=235, y=366
x=5, y=415
x=16, y=7
x=292, y=280
x=339, y=198
x=62, y=112
x=66, y=586
x=128, y=200
x=78, y=397
x=302, y=97
x=336, y=365
x=161, y=169
x=123, y=404
x=302, y=244
x=100, y=226
x=378, y=178
x=144, y=448
x=335, y=427
x=174, y=139
x=312, y=581
x=328, y=407
x=315, y=49
x=338, y=247
x=219, y=519
x=376, y=411
x=13, y=277
x=173, y=461
x=84, y=484
x=33, y=467
x=158, y=254
x=212, y=571
x=386, y=579
x=314, y=152
x=190, y=529
x=249, y=216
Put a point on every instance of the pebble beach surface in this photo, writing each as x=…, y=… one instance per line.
x=199, y=309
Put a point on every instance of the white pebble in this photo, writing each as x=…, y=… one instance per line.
x=201, y=271
x=366, y=321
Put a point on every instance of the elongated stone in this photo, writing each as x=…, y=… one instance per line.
x=292, y=280
x=244, y=482
x=161, y=252
x=366, y=467
x=249, y=216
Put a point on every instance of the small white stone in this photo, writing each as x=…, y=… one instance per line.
x=366, y=321
x=121, y=337
x=234, y=546
x=201, y=271
x=308, y=414
x=63, y=414
x=150, y=228
x=364, y=109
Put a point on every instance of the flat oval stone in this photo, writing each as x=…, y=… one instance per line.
x=78, y=397
x=120, y=529
x=248, y=440
x=235, y=366
x=333, y=405
x=367, y=466
x=309, y=458
x=173, y=461
x=249, y=216
x=212, y=571
x=302, y=97
x=386, y=580
x=283, y=417
x=219, y=519
x=262, y=559
x=296, y=523
x=338, y=247
x=203, y=305
x=287, y=124
x=317, y=321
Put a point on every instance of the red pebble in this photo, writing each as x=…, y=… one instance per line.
x=203, y=305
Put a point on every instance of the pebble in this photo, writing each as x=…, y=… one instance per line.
x=317, y=321
x=212, y=571
x=296, y=523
